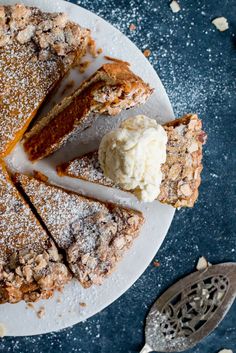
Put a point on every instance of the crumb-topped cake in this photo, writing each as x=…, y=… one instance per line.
x=113, y=88
x=180, y=173
x=93, y=234
x=30, y=265
x=36, y=50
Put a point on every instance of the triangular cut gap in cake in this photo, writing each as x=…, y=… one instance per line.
x=30, y=266
x=36, y=50
x=111, y=89
x=95, y=235
x=180, y=173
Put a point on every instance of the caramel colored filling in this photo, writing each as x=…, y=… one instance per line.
x=63, y=124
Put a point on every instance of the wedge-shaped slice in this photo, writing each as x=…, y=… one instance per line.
x=30, y=266
x=112, y=88
x=181, y=171
x=36, y=50
x=93, y=234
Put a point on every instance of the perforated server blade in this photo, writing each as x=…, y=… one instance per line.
x=190, y=309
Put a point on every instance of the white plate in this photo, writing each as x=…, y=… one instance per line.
x=20, y=321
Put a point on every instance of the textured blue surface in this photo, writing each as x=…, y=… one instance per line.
x=197, y=65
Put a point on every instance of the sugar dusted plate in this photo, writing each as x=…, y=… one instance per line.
x=64, y=309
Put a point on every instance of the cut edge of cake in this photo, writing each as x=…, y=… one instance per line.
x=111, y=89
x=50, y=44
x=30, y=265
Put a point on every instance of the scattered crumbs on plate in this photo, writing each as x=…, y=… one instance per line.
x=68, y=87
x=84, y=65
x=110, y=58
x=225, y=351
x=92, y=48
x=2, y=330
x=59, y=300
x=174, y=6
x=41, y=312
x=156, y=263
x=83, y=304
x=30, y=306
x=147, y=53
x=99, y=51
x=132, y=27
x=221, y=23
x=202, y=264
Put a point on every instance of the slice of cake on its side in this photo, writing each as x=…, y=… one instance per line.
x=30, y=266
x=36, y=51
x=112, y=88
x=181, y=171
x=93, y=234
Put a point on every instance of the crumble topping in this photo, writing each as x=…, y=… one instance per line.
x=30, y=265
x=93, y=234
x=36, y=50
x=49, y=31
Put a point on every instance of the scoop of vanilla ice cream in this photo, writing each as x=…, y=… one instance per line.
x=132, y=155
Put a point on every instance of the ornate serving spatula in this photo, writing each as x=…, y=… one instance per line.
x=190, y=309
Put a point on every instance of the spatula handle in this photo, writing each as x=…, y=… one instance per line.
x=146, y=349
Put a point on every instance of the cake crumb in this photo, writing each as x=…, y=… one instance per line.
x=202, y=264
x=82, y=304
x=83, y=66
x=225, y=351
x=99, y=51
x=147, y=53
x=2, y=330
x=132, y=27
x=40, y=176
x=30, y=306
x=58, y=300
x=68, y=87
x=174, y=6
x=221, y=23
x=110, y=58
x=92, y=48
x=156, y=263
x=41, y=312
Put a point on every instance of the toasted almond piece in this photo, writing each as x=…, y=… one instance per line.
x=221, y=23
x=174, y=6
x=186, y=190
x=202, y=264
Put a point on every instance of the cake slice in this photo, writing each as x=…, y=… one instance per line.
x=30, y=266
x=181, y=171
x=36, y=51
x=112, y=88
x=93, y=234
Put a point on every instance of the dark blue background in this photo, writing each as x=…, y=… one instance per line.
x=197, y=65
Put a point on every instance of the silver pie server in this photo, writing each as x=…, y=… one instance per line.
x=190, y=309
